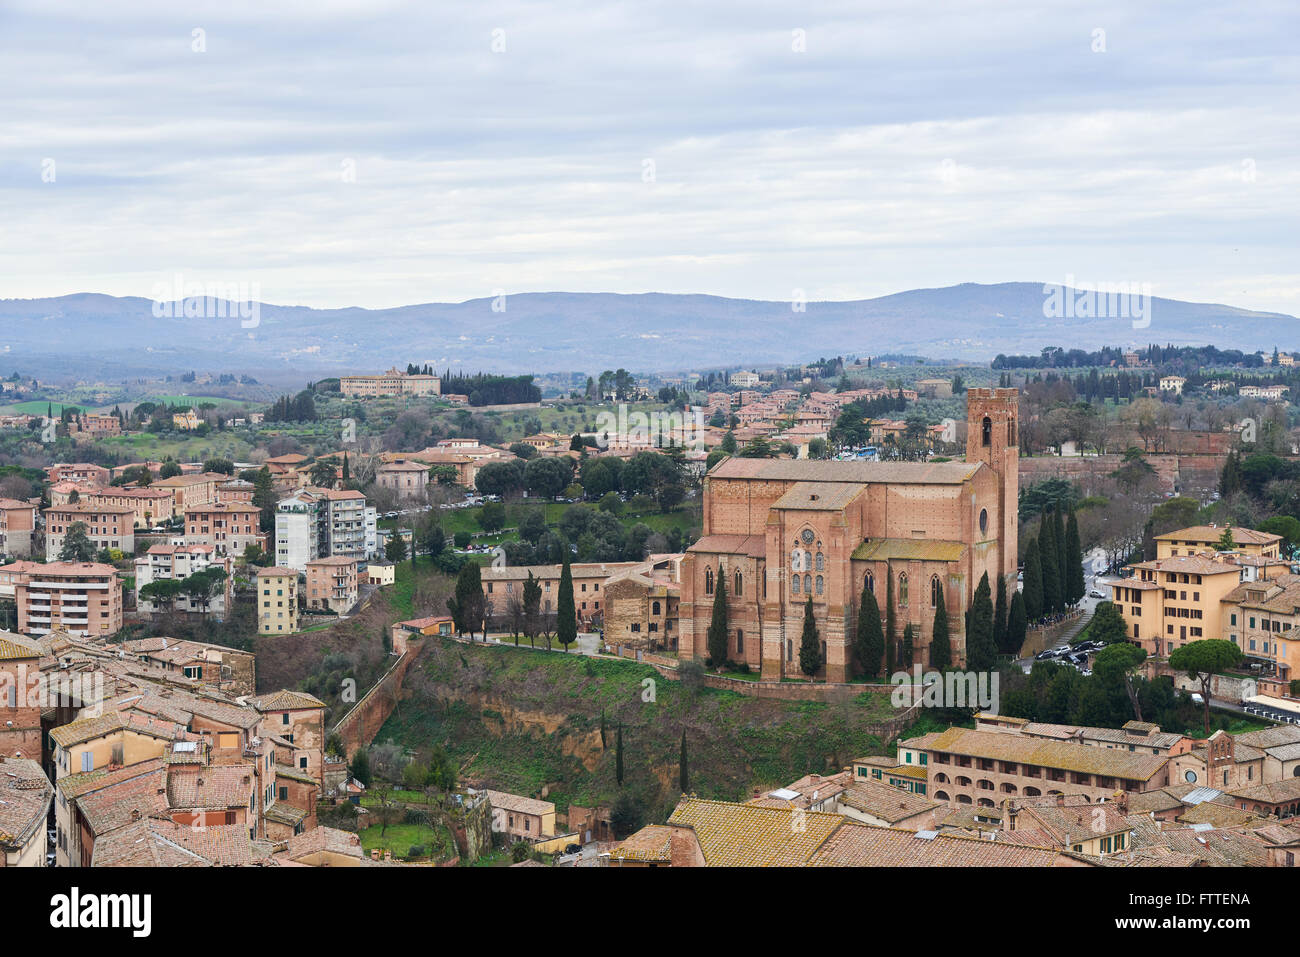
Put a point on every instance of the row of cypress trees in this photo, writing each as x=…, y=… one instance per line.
x=994, y=626
x=1054, y=580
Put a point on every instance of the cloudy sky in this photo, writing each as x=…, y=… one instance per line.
x=379, y=153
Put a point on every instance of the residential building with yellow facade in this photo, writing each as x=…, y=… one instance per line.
x=1196, y=589
x=1201, y=538
x=277, y=601
x=1170, y=601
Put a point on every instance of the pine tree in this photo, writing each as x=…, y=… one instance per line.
x=683, y=775
x=1033, y=584
x=1050, y=562
x=618, y=755
x=716, y=640
x=1017, y=624
x=870, y=643
x=810, y=649
x=1000, y=617
x=981, y=655
x=891, y=622
x=940, y=642
x=566, y=622
x=1075, y=585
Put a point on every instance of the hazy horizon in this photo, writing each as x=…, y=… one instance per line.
x=379, y=154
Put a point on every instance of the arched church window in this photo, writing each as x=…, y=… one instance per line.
x=821, y=562
x=934, y=591
x=807, y=583
x=869, y=582
x=820, y=584
x=739, y=584
x=984, y=520
x=795, y=582
x=902, y=588
x=796, y=558
x=708, y=581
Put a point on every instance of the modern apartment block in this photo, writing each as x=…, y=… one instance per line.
x=180, y=562
x=350, y=525
x=324, y=523
x=298, y=530
x=277, y=601
x=107, y=526
x=332, y=584
x=83, y=598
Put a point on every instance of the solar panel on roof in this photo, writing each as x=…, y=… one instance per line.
x=927, y=835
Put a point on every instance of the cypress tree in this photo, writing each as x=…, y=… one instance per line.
x=810, y=649
x=1049, y=561
x=870, y=643
x=1000, y=618
x=940, y=642
x=566, y=623
x=1033, y=584
x=981, y=655
x=1017, y=624
x=467, y=605
x=1230, y=477
x=909, y=646
x=603, y=744
x=618, y=755
x=1063, y=561
x=891, y=622
x=683, y=775
x=1075, y=586
x=717, y=634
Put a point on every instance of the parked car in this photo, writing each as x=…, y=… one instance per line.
x=1095, y=594
x=573, y=849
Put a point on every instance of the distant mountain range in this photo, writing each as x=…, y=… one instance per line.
x=105, y=336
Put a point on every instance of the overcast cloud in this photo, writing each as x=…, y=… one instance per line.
x=382, y=153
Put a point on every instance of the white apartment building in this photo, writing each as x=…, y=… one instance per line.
x=298, y=522
x=324, y=523
x=180, y=562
